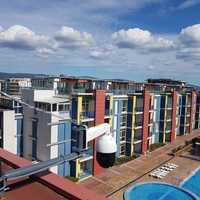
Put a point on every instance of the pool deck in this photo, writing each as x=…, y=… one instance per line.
x=114, y=181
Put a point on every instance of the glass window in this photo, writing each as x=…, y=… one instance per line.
x=49, y=107
x=122, y=149
x=54, y=107
x=124, y=105
x=123, y=120
x=123, y=134
x=61, y=107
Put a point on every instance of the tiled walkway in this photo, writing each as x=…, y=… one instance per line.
x=114, y=181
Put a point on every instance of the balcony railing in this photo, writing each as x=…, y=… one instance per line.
x=18, y=110
x=87, y=114
x=138, y=137
x=88, y=152
x=139, y=109
x=107, y=112
x=121, y=91
x=138, y=124
x=169, y=117
x=72, y=90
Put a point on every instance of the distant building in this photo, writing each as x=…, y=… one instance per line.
x=50, y=82
x=13, y=86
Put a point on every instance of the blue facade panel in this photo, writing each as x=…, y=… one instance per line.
x=34, y=138
x=64, y=134
x=19, y=137
x=156, y=120
x=117, y=110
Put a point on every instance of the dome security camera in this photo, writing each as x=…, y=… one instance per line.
x=106, y=149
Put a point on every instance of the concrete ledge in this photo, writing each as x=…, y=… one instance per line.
x=59, y=184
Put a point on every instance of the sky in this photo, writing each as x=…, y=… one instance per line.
x=129, y=39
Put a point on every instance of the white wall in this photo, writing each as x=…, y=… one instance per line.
x=43, y=130
x=9, y=131
x=43, y=94
x=54, y=138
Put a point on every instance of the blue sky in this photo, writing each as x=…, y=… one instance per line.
x=132, y=39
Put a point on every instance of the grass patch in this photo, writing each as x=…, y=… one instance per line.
x=71, y=178
x=152, y=147
x=125, y=159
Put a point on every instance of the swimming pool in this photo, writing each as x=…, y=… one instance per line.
x=192, y=183
x=157, y=191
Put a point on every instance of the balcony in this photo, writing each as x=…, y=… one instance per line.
x=121, y=91
x=87, y=115
x=139, y=109
x=138, y=124
x=79, y=90
x=137, y=138
x=18, y=110
x=87, y=153
x=138, y=135
x=169, y=117
x=108, y=112
x=66, y=90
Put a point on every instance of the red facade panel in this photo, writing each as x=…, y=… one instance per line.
x=145, y=129
x=174, y=106
x=99, y=119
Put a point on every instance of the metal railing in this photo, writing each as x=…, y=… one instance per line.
x=87, y=114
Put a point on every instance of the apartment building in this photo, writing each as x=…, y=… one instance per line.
x=47, y=82
x=47, y=128
x=13, y=86
x=197, y=113
x=90, y=109
x=11, y=126
x=140, y=115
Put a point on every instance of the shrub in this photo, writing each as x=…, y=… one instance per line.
x=152, y=147
x=71, y=178
x=125, y=159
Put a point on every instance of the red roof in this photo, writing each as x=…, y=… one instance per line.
x=49, y=186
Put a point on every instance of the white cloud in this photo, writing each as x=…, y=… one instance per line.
x=151, y=67
x=190, y=35
x=143, y=40
x=189, y=43
x=101, y=52
x=1, y=28
x=68, y=37
x=45, y=52
x=20, y=37
x=187, y=4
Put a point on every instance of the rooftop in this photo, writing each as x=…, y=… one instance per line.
x=53, y=100
x=167, y=81
x=41, y=186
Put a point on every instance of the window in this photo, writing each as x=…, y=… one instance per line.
x=48, y=107
x=123, y=120
x=54, y=107
x=122, y=149
x=34, y=137
x=123, y=135
x=61, y=107
x=36, y=104
x=124, y=105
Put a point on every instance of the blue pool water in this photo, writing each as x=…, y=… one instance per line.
x=193, y=183
x=157, y=191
